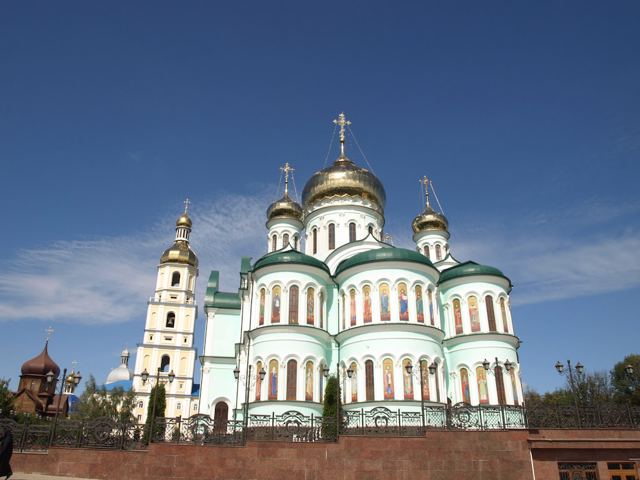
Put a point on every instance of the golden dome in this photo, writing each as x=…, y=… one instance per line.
x=284, y=208
x=179, y=252
x=184, y=221
x=344, y=178
x=429, y=219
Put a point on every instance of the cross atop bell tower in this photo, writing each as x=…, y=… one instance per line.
x=342, y=122
x=286, y=169
x=425, y=181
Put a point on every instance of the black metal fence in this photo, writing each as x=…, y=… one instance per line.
x=293, y=426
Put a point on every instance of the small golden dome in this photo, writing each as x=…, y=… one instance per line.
x=179, y=252
x=344, y=178
x=429, y=219
x=284, y=208
x=184, y=221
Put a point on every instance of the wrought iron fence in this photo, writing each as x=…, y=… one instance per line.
x=579, y=416
x=292, y=426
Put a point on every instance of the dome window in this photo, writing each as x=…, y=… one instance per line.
x=274, y=243
x=175, y=279
x=332, y=236
x=285, y=240
x=314, y=235
x=352, y=232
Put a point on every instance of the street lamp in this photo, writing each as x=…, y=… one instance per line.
x=145, y=376
x=579, y=368
x=409, y=369
x=628, y=369
x=325, y=372
x=350, y=372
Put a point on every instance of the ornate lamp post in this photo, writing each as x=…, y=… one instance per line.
x=145, y=377
x=579, y=368
x=409, y=368
x=236, y=374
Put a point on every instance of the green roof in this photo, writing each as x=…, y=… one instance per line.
x=217, y=299
x=468, y=269
x=385, y=254
x=289, y=257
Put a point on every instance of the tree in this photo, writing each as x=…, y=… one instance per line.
x=157, y=397
x=625, y=385
x=330, y=408
x=95, y=402
x=586, y=389
x=6, y=399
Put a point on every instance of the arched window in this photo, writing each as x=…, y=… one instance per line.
x=353, y=381
x=292, y=379
x=491, y=316
x=273, y=380
x=407, y=380
x=321, y=313
x=514, y=386
x=263, y=295
x=483, y=392
x=321, y=382
x=171, y=320
x=457, y=316
x=314, y=238
x=274, y=242
x=387, y=378
x=438, y=252
x=275, y=304
x=352, y=306
x=370, y=229
x=285, y=240
x=164, y=363
x=385, y=313
x=474, y=314
x=503, y=311
x=220, y=417
x=175, y=279
x=295, y=242
x=464, y=385
x=419, y=304
x=332, y=236
x=258, y=381
x=344, y=311
x=308, y=382
x=425, y=250
x=352, y=232
x=432, y=318
x=366, y=304
x=437, y=375
x=403, y=302
x=311, y=313
x=424, y=379
x=368, y=373
x=502, y=400
x=293, y=305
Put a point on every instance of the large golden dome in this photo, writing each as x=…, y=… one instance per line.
x=179, y=252
x=429, y=219
x=344, y=178
x=284, y=208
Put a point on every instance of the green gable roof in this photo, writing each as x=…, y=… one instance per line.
x=289, y=257
x=385, y=254
x=468, y=269
x=217, y=299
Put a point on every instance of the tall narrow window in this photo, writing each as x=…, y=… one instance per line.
x=308, y=382
x=457, y=316
x=314, y=240
x=502, y=400
x=352, y=307
x=385, y=313
x=425, y=250
x=366, y=304
x=344, y=311
x=432, y=318
x=261, y=308
x=164, y=363
x=293, y=304
x=321, y=313
x=292, y=379
x=437, y=375
x=275, y=304
x=419, y=304
x=424, y=379
x=503, y=311
x=321, y=382
x=311, y=306
x=403, y=302
x=491, y=316
x=332, y=236
x=474, y=314
x=258, y=381
x=295, y=242
x=274, y=242
x=354, y=381
x=273, y=380
x=464, y=385
x=483, y=392
x=175, y=279
x=514, y=387
x=387, y=379
x=368, y=373
x=407, y=380
x=438, y=252
x=220, y=417
x=171, y=320
x=352, y=232
x=370, y=229
x=285, y=240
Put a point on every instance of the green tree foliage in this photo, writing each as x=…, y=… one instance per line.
x=585, y=389
x=626, y=386
x=6, y=399
x=97, y=402
x=330, y=408
x=158, y=396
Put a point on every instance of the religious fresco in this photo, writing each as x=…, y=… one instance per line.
x=367, y=314
x=352, y=306
x=385, y=313
x=292, y=380
x=403, y=302
x=483, y=392
x=368, y=380
x=258, y=381
x=275, y=304
x=491, y=316
x=474, y=314
x=419, y=304
x=310, y=306
x=294, y=292
x=354, y=382
x=407, y=380
x=514, y=387
x=424, y=379
x=308, y=382
x=263, y=294
x=432, y=318
x=273, y=380
x=457, y=315
x=464, y=385
x=503, y=311
x=387, y=379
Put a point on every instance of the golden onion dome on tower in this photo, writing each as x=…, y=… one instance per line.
x=429, y=219
x=180, y=251
x=184, y=221
x=284, y=208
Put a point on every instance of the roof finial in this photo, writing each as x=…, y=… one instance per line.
x=286, y=169
x=186, y=202
x=49, y=332
x=342, y=122
x=425, y=181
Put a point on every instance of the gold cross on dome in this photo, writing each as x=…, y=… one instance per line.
x=286, y=169
x=425, y=181
x=342, y=122
x=49, y=332
x=186, y=202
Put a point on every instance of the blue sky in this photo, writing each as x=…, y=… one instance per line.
x=525, y=115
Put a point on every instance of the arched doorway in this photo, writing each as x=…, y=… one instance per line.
x=220, y=417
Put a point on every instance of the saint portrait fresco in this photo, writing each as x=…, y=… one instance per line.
x=366, y=310
x=474, y=314
x=385, y=313
x=293, y=304
x=387, y=377
x=464, y=385
x=258, y=381
x=273, y=380
x=275, y=304
x=419, y=304
x=483, y=392
x=403, y=302
x=308, y=382
x=310, y=306
x=407, y=380
x=263, y=294
x=424, y=379
x=352, y=306
x=354, y=382
x=457, y=315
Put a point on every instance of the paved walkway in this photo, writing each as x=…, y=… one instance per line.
x=35, y=476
